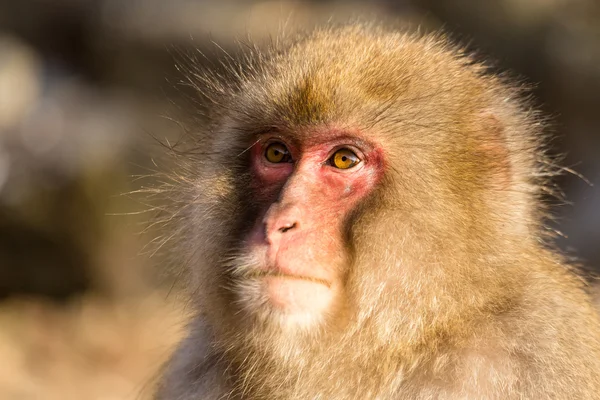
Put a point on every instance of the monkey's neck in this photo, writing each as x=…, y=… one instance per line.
x=340, y=368
x=378, y=355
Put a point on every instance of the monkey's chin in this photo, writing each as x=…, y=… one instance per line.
x=288, y=302
x=297, y=295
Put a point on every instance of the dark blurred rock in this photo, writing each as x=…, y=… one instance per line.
x=61, y=141
x=35, y=262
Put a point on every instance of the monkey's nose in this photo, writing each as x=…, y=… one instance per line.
x=280, y=225
x=280, y=220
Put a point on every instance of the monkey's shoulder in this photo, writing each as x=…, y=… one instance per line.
x=193, y=372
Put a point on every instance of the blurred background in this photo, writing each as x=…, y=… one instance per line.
x=85, y=312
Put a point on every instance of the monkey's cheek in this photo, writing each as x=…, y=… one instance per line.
x=298, y=296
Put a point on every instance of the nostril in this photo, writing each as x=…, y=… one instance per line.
x=287, y=227
x=280, y=219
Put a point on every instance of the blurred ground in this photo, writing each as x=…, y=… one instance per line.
x=85, y=311
x=91, y=348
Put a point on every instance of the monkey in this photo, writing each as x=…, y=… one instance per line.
x=361, y=216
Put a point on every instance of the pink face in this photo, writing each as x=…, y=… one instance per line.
x=307, y=190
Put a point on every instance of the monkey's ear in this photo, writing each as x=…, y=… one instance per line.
x=491, y=148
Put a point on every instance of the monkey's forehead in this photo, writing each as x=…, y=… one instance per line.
x=360, y=77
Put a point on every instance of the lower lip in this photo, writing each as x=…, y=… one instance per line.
x=296, y=294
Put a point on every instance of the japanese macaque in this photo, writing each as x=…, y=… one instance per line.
x=362, y=218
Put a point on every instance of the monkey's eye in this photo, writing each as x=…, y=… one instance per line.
x=277, y=153
x=344, y=159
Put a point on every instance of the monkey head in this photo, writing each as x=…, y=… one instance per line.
x=350, y=181
x=361, y=217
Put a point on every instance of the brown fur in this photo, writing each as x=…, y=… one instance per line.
x=453, y=290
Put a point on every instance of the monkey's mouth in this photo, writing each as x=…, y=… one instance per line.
x=287, y=293
x=276, y=274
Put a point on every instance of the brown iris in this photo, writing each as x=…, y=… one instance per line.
x=277, y=153
x=344, y=159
